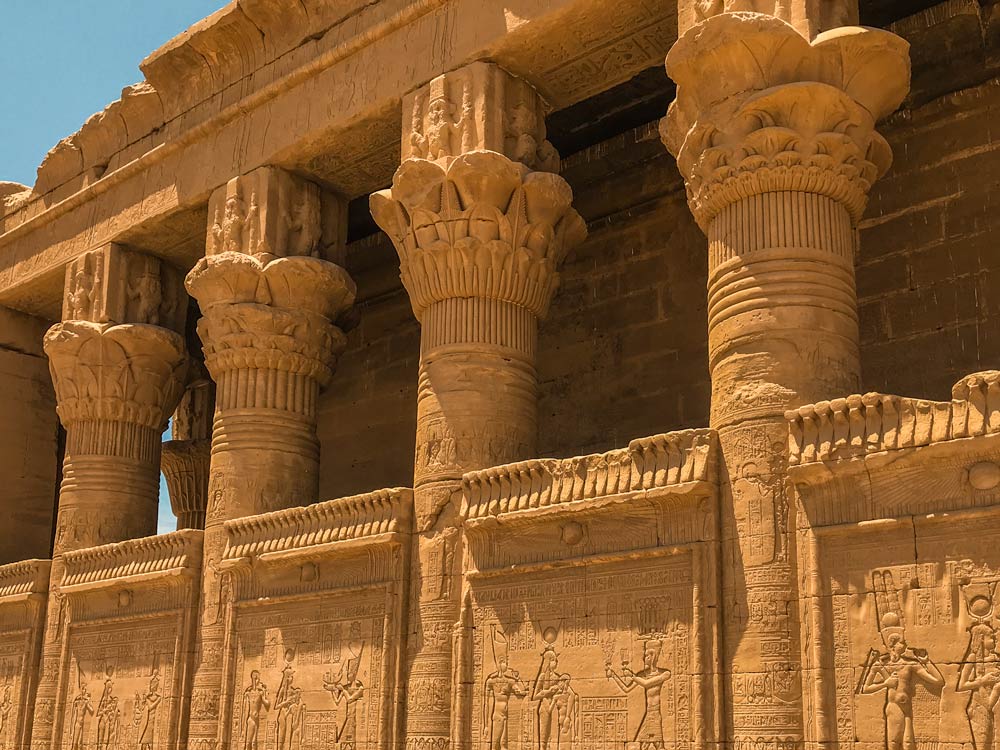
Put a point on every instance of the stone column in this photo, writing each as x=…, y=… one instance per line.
x=775, y=137
x=270, y=306
x=480, y=235
x=118, y=366
x=186, y=456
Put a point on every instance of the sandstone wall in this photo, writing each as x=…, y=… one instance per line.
x=28, y=438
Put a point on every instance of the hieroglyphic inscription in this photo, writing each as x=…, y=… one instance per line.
x=584, y=660
x=118, y=690
x=310, y=676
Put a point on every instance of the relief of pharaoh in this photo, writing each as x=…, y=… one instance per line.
x=255, y=701
x=350, y=692
x=649, y=735
x=898, y=670
x=499, y=688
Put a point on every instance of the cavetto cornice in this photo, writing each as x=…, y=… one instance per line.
x=297, y=84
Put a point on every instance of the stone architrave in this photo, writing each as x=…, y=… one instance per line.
x=118, y=366
x=270, y=306
x=480, y=237
x=775, y=137
x=186, y=456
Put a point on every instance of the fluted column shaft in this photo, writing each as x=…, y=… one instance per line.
x=270, y=345
x=117, y=378
x=480, y=237
x=775, y=136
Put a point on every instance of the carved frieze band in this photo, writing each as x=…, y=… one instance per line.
x=857, y=425
x=134, y=561
x=346, y=519
x=21, y=579
x=651, y=463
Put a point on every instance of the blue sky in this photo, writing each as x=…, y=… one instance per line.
x=63, y=60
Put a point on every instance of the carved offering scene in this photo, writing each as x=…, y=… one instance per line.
x=589, y=614
x=899, y=524
x=506, y=375
x=316, y=608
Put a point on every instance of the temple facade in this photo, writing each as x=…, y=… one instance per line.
x=540, y=375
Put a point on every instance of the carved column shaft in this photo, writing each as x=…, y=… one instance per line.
x=118, y=375
x=480, y=237
x=269, y=307
x=775, y=136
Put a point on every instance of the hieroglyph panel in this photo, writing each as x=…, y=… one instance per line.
x=587, y=658
x=910, y=630
x=311, y=675
x=120, y=686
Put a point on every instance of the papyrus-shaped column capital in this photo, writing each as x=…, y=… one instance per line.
x=760, y=109
x=480, y=225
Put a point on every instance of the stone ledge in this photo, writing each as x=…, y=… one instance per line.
x=24, y=579
x=678, y=461
x=332, y=526
x=133, y=562
x=858, y=426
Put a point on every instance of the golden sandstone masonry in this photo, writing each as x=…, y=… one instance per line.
x=524, y=394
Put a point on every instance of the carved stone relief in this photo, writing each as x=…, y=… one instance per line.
x=311, y=676
x=584, y=660
x=116, y=285
x=120, y=688
x=268, y=212
x=478, y=107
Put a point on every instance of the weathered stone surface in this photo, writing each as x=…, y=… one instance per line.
x=813, y=570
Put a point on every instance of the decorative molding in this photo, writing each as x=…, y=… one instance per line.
x=857, y=426
x=24, y=579
x=670, y=461
x=327, y=526
x=133, y=562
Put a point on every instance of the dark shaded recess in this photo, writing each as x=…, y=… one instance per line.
x=360, y=223
x=884, y=12
x=641, y=99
